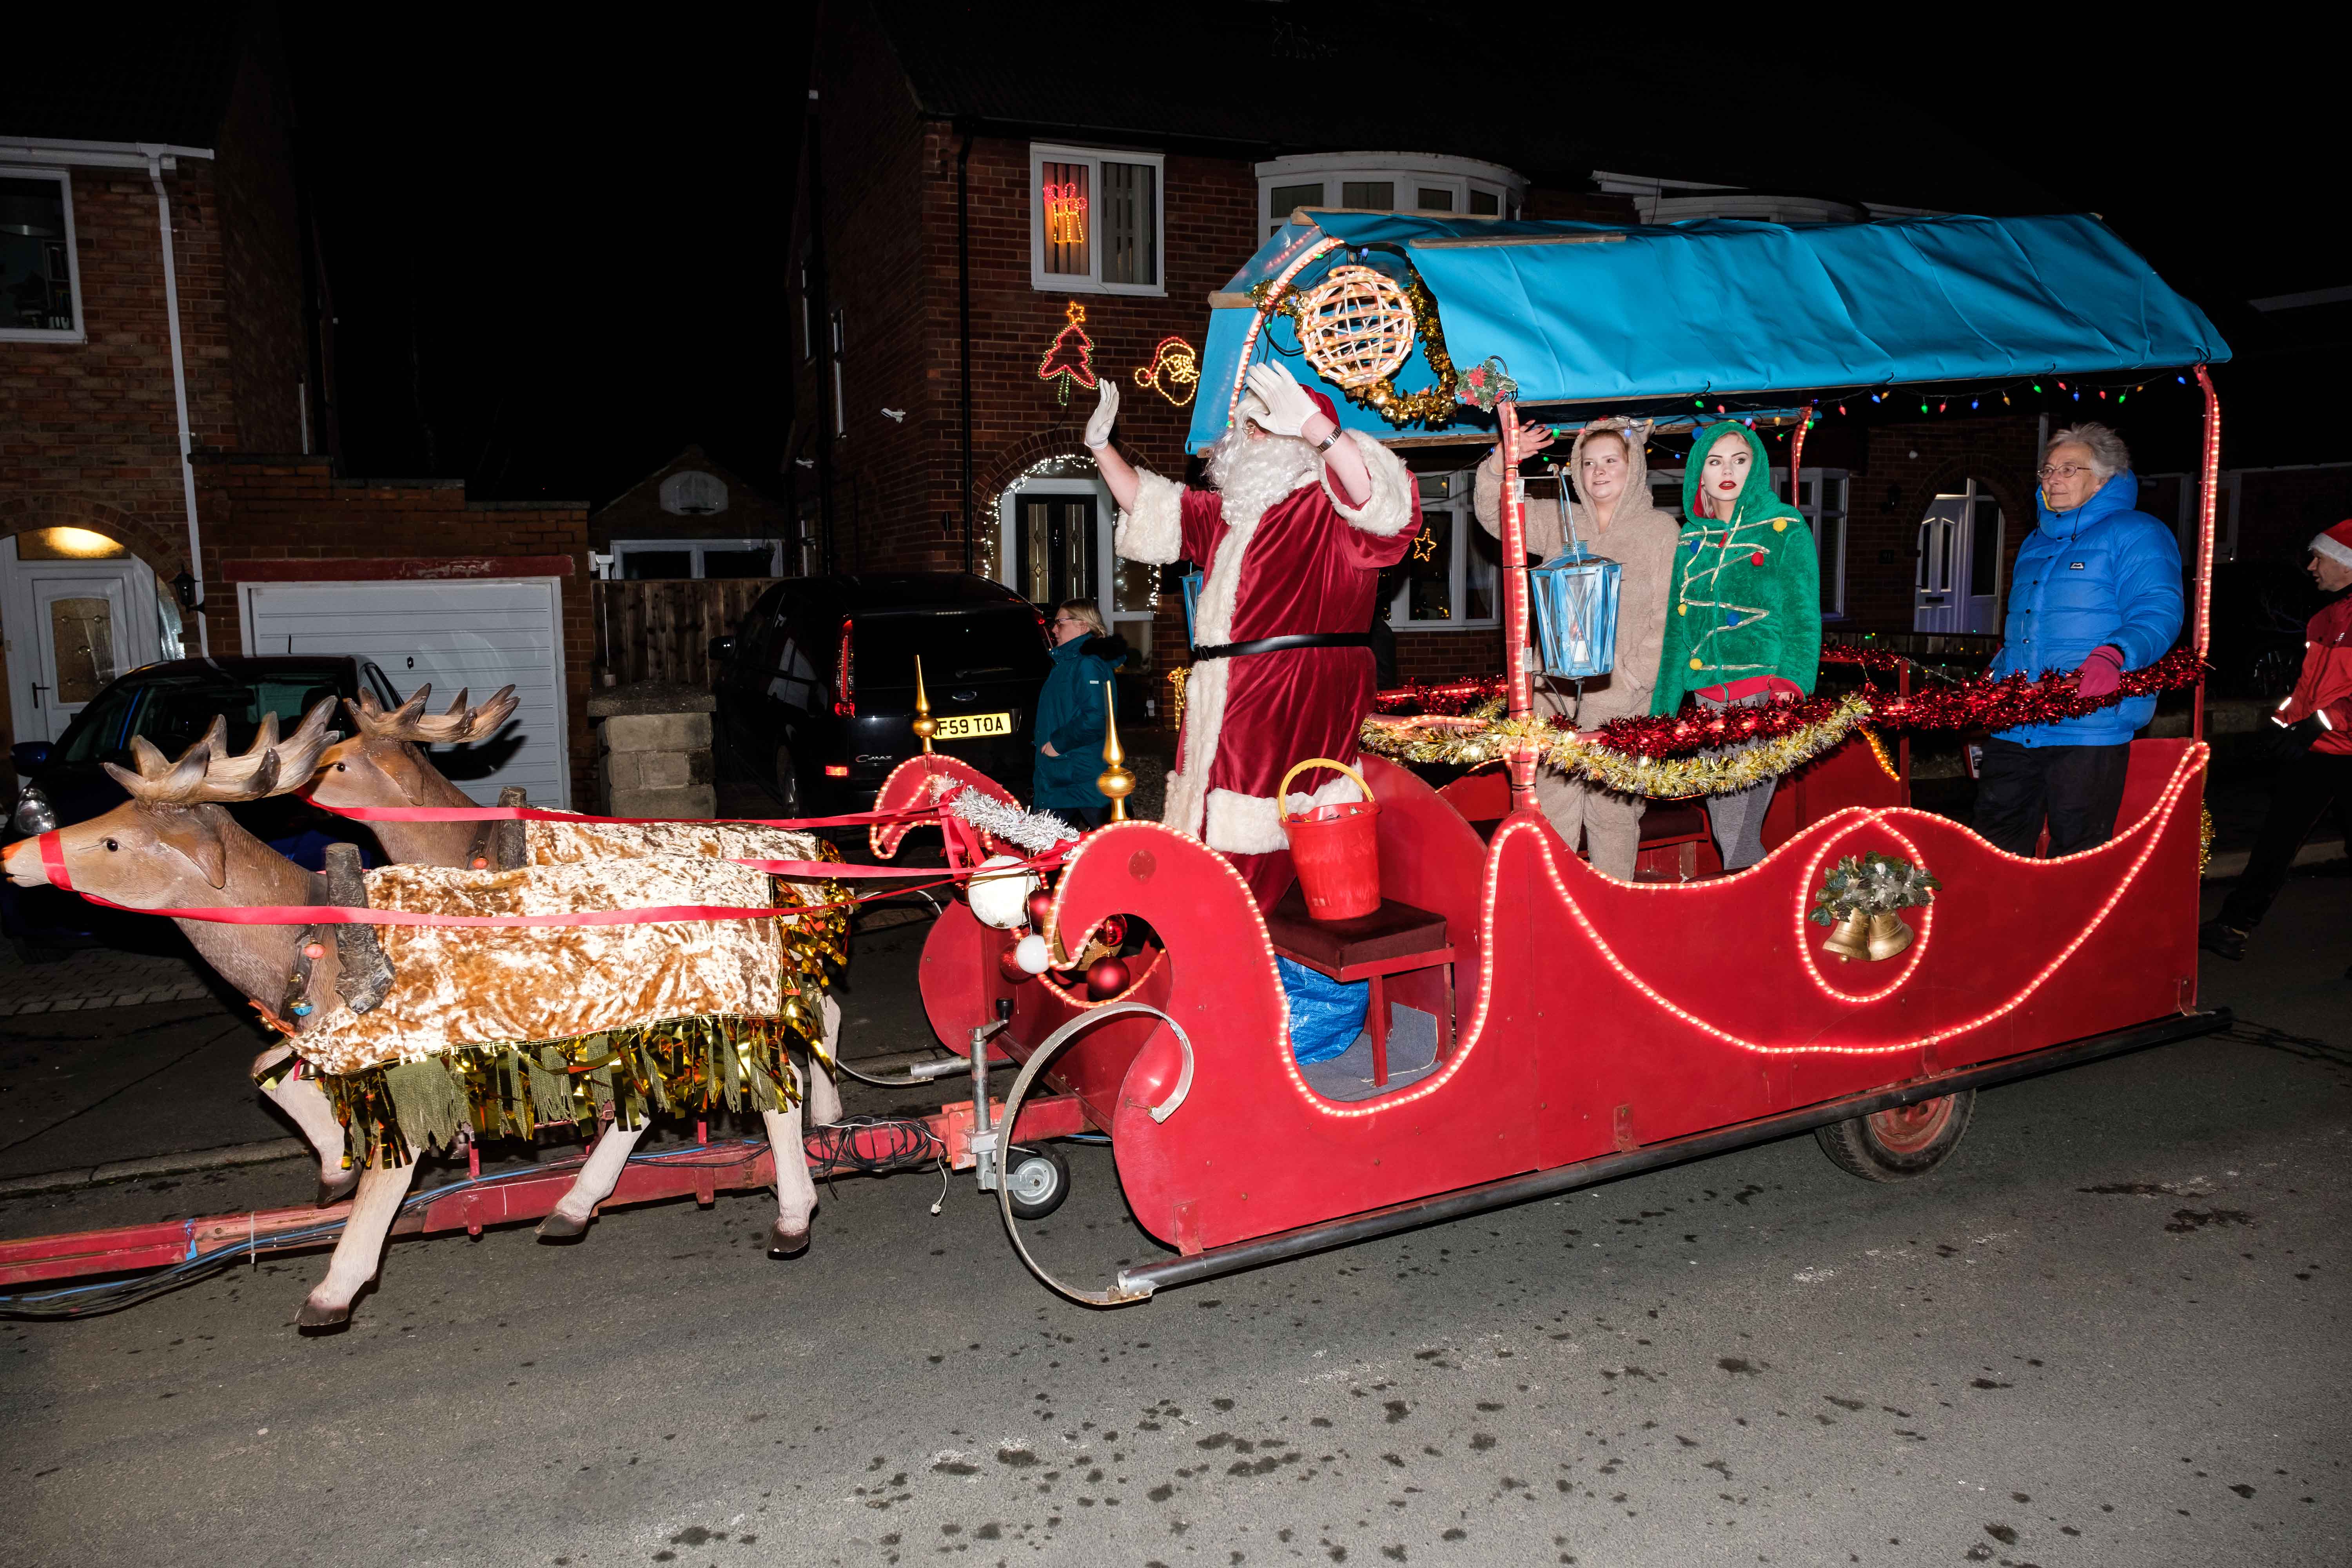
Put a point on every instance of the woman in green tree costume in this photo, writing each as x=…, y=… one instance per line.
x=1745, y=626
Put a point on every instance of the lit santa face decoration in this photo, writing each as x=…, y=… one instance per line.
x=1174, y=371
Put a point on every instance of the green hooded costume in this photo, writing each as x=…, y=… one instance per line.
x=1747, y=600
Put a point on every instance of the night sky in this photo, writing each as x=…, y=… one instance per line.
x=557, y=252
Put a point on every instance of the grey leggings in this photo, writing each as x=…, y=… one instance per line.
x=1738, y=819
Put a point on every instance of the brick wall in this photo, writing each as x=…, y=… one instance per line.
x=263, y=514
x=268, y=358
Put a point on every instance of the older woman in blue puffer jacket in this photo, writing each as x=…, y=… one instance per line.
x=2096, y=592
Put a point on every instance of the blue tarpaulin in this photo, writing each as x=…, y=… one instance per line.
x=1585, y=312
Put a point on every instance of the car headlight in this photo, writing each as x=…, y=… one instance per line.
x=34, y=813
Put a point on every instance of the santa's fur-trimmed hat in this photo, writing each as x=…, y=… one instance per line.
x=2335, y=544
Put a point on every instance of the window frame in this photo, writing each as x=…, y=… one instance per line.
x=1091, y=282
x=1406, y=173
x=78, y=333
x=693, y=547
x=1465, y=521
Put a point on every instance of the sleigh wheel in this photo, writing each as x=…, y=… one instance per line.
x=1905, y=1141
x=1037, y=1181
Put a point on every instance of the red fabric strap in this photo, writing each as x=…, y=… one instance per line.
x=53, y=862
x=532, y=814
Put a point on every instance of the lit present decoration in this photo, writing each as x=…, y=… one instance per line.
x=1066, y=213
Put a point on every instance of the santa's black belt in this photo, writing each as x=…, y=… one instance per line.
x=1284, y=645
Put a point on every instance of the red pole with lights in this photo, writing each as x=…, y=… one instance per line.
x=1515, y=601
x=2213, y=481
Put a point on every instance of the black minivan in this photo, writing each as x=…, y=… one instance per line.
x=817, y=688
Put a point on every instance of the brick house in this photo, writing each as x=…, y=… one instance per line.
x=991, y=237
x=167, y=482
x=692, y=517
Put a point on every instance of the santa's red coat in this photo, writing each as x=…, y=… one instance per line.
x=1309, y=563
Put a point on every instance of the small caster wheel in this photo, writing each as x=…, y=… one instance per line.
x=1896, y=1145
x=1037, y=1183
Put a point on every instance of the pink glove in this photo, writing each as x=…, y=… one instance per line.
x=2101, y=673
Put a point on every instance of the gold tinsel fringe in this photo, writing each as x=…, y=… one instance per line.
x=1726, y=771
x=686, y=1065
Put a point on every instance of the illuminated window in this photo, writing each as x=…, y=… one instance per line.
x=1451, y=579
x=1094, y=221
x=40, y=273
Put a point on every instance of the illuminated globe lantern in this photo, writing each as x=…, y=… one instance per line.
x=1575, y=596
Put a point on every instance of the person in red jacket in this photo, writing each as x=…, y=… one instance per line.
x=2315, y=719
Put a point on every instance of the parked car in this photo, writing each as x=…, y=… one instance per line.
x=171, y=705
x=817, y=688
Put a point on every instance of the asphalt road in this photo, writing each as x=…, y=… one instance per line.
x=2112, y=1331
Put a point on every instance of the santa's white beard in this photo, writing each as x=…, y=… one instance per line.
x=1253, y=475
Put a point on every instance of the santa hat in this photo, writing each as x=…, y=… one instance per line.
x=1253, y=409
x=2335, y=544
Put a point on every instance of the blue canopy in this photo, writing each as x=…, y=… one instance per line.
x=1585, y=312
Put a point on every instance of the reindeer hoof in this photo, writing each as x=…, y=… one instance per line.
x=315, y=1319
x=560, y=1229
x=782, y=1243
x=332, y=1193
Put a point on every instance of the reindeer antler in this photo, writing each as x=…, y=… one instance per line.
x=459, y=726
x=205, y=773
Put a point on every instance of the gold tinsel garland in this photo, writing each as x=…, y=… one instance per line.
x=1726, y=771
x=2204, y=838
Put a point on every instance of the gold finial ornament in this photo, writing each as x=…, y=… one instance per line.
x=1114, y=781
x=925, y=726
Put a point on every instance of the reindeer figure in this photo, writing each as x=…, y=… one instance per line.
x=173, y=846
x=384, y=764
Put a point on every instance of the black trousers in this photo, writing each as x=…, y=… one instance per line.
x=2300, y=793
x=2077, y=789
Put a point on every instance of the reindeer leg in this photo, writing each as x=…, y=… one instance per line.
x=359, y=1253
x=796, y=1190
x=302, y=1100
x=824, y=1087
x=568, y=1221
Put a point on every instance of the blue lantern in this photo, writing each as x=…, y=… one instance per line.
x=1191, y=604
x=1575, y=595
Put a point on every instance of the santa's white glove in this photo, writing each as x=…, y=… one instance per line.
x=1287, y=407
x=1106, y=414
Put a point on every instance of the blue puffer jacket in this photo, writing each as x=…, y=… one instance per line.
x=2100, y=574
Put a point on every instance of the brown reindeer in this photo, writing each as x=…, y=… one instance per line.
x=172, y=845
x=384, y=764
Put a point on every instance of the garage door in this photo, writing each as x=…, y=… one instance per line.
x=477, y=635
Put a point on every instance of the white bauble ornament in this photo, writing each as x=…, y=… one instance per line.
x=1029, y=954
x=1000, y=892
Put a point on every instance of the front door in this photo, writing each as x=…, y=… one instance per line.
x=1956, y=586
x=1055, y=538
x=80, y=627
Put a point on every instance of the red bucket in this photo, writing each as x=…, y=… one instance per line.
x=1335, y=848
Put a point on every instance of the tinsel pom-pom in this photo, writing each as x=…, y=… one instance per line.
x=1036, y=831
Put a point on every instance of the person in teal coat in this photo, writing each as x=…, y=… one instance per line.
x=1073, y=712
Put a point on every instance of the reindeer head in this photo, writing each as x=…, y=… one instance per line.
x=170, y=843
x=381, y=766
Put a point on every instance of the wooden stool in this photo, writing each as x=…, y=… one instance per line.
x=1392, y=940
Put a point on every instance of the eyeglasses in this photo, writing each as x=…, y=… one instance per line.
x=2066, y=472
x=1067, y=621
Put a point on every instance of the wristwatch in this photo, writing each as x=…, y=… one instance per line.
x=1326, y=444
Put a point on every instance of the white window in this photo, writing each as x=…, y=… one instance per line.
x=1096, y=221
x=1387, y=182
x=40, y=271
x=1822, y=502
x=637, y=559
x=691, y=492
x=1451, y=579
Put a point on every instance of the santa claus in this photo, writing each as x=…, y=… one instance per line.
x=1303, y=517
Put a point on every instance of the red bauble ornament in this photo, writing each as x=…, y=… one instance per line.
x=1106, y=980
x=1010, y=967
x=1041, y=908
x=1113, y=931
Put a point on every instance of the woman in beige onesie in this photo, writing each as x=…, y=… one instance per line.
x=1615, y=519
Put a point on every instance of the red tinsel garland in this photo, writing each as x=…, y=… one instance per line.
x=1982, y=704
